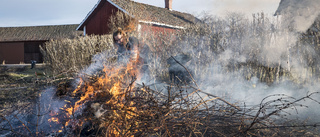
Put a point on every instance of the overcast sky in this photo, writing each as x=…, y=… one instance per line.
x=57, y=12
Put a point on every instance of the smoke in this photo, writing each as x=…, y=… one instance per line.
x=300, y=14
x=35, y=117
x=49, y=104
x=98, y=62
x=244, y=6
x=259, y=59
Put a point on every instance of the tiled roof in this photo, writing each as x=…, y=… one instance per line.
x=38, y=33
x=282, y=5
x=149, y=13
x=301, y=10
x=297, y=7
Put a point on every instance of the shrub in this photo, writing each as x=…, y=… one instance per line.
x=72, y=55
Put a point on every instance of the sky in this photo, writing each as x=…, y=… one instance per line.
x=48, y=12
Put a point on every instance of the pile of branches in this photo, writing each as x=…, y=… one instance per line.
x=179, y=110
x=176, y=110
x=146, y=112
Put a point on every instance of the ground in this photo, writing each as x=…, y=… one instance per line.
x=19, y=86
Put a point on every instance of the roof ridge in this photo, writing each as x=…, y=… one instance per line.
x=175, y=18
x=156, y=7
x=34, y=33
x=147, y=13
x=39, y=26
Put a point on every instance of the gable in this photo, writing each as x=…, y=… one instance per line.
x=144, y=14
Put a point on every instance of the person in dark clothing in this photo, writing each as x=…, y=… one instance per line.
x=128, y=49
x=33, y=64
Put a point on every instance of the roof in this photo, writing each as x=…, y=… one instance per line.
x=297, y=7
x=302, y=15
x=149, y=14
x=38, y=33
x=282, y=5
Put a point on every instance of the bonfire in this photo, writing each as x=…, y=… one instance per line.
x=113, y=103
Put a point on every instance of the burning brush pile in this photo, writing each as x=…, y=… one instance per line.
x=113, y=103
x=233, y=84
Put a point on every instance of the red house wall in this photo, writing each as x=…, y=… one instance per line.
x=159, y=29
x=98, y=23
x=158, y=33
x=12, y=53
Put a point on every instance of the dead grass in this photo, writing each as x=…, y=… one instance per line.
x=19, y=86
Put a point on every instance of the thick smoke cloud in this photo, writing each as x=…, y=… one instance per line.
x=299, y=13
x=272, y=43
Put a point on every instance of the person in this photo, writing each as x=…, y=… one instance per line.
x=33, y=64
x=130, y=49
x=127, y=47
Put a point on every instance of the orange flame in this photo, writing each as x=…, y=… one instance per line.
x=54, y=119
x=112, y=83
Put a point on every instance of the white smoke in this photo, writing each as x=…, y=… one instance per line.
x=299, y=14
x=98, y=62
x=277, y=48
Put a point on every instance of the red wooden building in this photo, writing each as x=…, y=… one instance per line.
x=21, y=44
x=156, y=18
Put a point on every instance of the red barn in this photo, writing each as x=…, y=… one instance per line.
x=160, y=19
x=21, y=44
